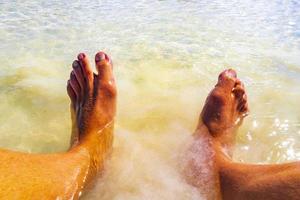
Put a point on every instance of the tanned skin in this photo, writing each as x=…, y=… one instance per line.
x=223, y=113
x=66, y=175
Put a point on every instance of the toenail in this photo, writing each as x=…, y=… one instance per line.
x=230, y=73
x=100, y=56
x=75, y=64
x=81, y=56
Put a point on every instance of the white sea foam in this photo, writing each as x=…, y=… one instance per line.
x=197, y=162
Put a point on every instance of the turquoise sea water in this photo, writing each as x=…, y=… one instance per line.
x=167, y=56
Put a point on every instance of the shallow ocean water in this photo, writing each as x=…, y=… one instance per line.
x=167, y=56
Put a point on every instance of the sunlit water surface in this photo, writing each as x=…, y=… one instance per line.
x=167, y=55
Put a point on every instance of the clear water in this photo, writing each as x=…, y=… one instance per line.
x=167, y=56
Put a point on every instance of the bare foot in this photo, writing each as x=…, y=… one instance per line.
x=226, y=105
x=93, y=96
x=223, y=112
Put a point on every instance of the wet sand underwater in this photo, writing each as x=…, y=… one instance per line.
x=167, y=56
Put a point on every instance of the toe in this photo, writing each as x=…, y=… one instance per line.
x=78, y=73
x=227, y=78
x=75, y=85
x=243, y=105
x=238, y=92
x=104, y=66
x=105, y=72
x=71, y=92
x=86, y=70
x=228, y=73
x=245, y=109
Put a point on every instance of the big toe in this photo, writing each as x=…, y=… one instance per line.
x=105, y=73
x=228, y=73
x=104, y=67
x=227, y=78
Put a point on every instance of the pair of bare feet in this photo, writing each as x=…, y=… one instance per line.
x=93, y=102
x=93, y=98
x=93, y=107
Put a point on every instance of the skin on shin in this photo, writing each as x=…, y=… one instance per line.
x=252, y=181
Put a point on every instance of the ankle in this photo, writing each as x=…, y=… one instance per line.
x=202, y=130
x=223, y=141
